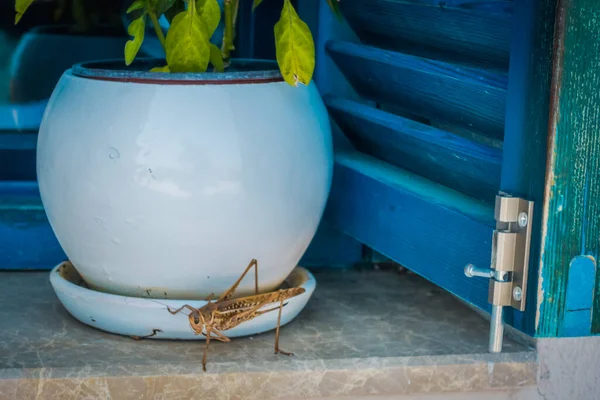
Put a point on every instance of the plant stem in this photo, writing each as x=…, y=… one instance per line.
x=159, y=32
x=229, y=29
x=236, y=9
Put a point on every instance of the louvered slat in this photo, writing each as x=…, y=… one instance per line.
x=443, y=157
x=28, y=240
x=443, y=92
x=468, y=31
x=433, y=230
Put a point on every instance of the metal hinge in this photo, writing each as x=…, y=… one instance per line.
x=509, y=264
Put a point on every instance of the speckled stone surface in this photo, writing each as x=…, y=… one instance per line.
x=363, y=332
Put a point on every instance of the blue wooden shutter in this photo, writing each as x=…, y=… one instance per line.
x=425, y=117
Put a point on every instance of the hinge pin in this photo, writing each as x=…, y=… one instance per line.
x=496, y=330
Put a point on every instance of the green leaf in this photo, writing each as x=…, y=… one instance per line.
x=161, y=69
x=294, y=46
x=187, y=45
x=20, y=7
x=216, y=58
x=210, y=11
x=257, y=3
x=136, y=5
x=135, y=29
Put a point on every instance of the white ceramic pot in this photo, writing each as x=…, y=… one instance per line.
x=167, y=185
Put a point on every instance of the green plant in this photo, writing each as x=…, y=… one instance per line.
x=193, y=22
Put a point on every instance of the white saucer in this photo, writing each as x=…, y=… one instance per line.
x=134, y=316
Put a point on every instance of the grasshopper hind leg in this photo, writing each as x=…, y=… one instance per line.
x=277, y=349
x=229, y=293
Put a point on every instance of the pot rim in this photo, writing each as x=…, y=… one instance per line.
x=249, y=71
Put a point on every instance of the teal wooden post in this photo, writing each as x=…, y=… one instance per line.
x=571, y=211
x=526, y=129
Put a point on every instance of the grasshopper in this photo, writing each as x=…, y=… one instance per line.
x=225, y=313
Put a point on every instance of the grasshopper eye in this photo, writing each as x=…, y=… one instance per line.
x=196, y=320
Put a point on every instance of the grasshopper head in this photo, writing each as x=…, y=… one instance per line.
x=196, y=322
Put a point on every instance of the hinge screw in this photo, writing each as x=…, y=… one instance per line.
x=518, y=293
x=523, y=219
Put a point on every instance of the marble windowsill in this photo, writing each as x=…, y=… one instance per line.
x=363, y=332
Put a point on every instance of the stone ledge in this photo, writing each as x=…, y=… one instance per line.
x=362, y=333
x=278, y=380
